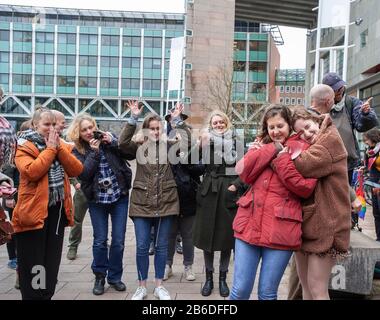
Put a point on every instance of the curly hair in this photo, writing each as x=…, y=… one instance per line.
x=73, y=132
x=270, y=112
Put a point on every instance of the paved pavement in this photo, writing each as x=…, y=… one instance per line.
x=76, y=278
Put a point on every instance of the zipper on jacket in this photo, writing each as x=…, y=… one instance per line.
x=59, y=218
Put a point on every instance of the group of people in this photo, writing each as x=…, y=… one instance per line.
x=289, y=194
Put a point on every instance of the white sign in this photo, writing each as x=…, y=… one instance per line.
x=334, y=13
x=175, y=66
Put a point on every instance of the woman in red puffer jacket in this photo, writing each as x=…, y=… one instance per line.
x=267, y=226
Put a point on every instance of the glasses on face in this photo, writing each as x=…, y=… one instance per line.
x=215, y=123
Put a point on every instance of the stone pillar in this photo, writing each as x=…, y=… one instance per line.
x=208, y=50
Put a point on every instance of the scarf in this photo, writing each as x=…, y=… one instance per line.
x=8, y=143
x=56, y=173
x=224, y=146
x=339, y=106
x=372, y=154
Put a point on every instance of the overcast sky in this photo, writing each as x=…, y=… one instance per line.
x=292, y=53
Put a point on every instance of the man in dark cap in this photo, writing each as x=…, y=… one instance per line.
x=348, y=114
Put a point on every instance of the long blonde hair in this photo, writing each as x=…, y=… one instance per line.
x=73, y=132
x=220, y=114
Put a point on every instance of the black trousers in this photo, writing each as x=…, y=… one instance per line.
x=39, y=256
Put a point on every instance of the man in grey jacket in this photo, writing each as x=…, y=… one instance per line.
x=349, y=114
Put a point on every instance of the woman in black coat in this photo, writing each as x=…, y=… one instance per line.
x=216, y=199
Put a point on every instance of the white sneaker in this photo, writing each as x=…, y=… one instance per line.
x=161, y=293
x=168, y=272
x=189, y=274
x=140, y=294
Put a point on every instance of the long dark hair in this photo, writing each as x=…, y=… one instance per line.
x=270, y=112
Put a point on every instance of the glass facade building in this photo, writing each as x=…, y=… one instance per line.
x=77, y=60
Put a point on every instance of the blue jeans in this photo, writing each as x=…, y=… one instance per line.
x=161, y=235
x=109, y=262
x=247, y=258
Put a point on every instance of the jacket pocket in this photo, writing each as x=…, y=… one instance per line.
x=27, y=214
x=243, y=214
x=286, y=227
x=310, y=225
x=139, y=194
x=169, y=192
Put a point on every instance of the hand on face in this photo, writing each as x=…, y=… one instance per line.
x=52, y=140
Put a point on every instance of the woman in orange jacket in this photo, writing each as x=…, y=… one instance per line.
x=44, y=206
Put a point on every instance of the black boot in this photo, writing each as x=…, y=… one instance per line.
x=223, y=287
x=209, y=284
x=99, y=284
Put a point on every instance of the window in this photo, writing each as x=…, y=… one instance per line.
x=129, y=41
x=67, y=38
x=22, y=79
x=239, y=65
x=130, y=83
x=4, y=57
x=22, y=36
x=364, y=39
x=19, y=57
x=47, y=59
x=287, y=101
x=281, y=100
x=109, y=83
x=293, y=101
x=87, y=82
x=4, y=35
x=281, y=89
x=300, y=101
x=240, y=45
x=239, y=87
x=41, y=80
x=66, y=81
x=151, y=84
x=156, y=84
x=299, y=89
x=109, y=62
x=44, y=37
x=287, y=89
x=110, y=40
x=4, y=78
x=150, y=63
x=258, y=45
x=152, y=42
x=294, y=90
x=66, y=60
x=257, y=88
x=258, y=66
x=88, y=39
x=88, y=61
x=131, y=63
